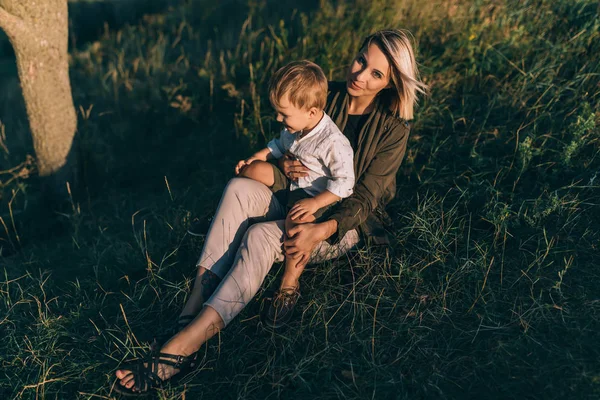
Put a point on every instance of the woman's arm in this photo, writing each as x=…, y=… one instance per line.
x=304, y=238
x=380, y=174
x=354, y=210
x=291, y=167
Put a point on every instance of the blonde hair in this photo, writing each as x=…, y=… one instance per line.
x=397, y=46
x=303, y=81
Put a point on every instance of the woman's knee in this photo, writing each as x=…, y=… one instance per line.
x=265, y=234
x=237, y=185
x=241, y=187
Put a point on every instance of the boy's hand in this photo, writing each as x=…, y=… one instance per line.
x=303, y=209
x=244, y=163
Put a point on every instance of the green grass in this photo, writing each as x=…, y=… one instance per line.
x=491, y=287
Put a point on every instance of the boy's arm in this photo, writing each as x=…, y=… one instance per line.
x=325, y=198
x=306, y=207
x=278, y=146
x=263, y=155
x=339, y=159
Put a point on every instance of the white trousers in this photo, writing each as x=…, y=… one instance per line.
x=245, y=239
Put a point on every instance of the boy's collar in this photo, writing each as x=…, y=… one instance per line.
x=317, y=127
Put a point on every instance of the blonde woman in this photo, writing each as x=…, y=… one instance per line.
x=372, y=108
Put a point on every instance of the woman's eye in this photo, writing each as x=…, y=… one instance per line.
x=377, y=75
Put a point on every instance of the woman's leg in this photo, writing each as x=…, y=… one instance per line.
x=260, y=247
x=242, y=200
x=188, y=341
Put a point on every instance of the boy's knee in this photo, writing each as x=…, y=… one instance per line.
x=260, y=171
x=254, y=170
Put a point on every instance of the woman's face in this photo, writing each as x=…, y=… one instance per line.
x=369, y=72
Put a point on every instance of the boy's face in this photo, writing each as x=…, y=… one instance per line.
x=293, y=118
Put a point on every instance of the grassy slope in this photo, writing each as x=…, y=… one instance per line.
x=491, y=290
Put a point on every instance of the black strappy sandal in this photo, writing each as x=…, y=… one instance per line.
x=146, y=376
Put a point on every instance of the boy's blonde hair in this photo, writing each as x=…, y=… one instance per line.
x=396, y=44
x=303, y=81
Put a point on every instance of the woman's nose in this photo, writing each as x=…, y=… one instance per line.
x=362, y=75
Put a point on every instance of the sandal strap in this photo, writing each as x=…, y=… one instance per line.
x=174, y=360
x=146, y=376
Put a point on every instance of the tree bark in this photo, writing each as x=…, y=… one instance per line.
x=38, y=32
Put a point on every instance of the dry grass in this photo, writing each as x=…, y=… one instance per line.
x=490, y=289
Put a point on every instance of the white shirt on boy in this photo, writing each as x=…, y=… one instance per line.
x=326, y=152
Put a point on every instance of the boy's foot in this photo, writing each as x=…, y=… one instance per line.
x=281, y=308
x=199, y=226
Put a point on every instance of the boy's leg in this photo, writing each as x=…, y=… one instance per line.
x=292, y=271
x=323, y=252
x=260, y=171
x=279, y=311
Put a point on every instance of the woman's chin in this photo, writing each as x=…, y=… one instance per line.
x=351, y=91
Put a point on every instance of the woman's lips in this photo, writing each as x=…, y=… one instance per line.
x=354, y=86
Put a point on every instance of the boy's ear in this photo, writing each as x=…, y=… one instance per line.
x=313, y=111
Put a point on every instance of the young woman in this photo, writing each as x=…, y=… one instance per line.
x=372, y=108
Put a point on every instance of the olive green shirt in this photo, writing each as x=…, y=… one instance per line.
x=379, y=152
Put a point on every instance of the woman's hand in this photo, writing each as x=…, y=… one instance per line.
x=291, y=167
x=303, y=239
x=244, y=163
x=303, y=208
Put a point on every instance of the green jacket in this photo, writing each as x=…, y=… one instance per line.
x=379, y=153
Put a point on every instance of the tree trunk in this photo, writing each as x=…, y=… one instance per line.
x=38, y=32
